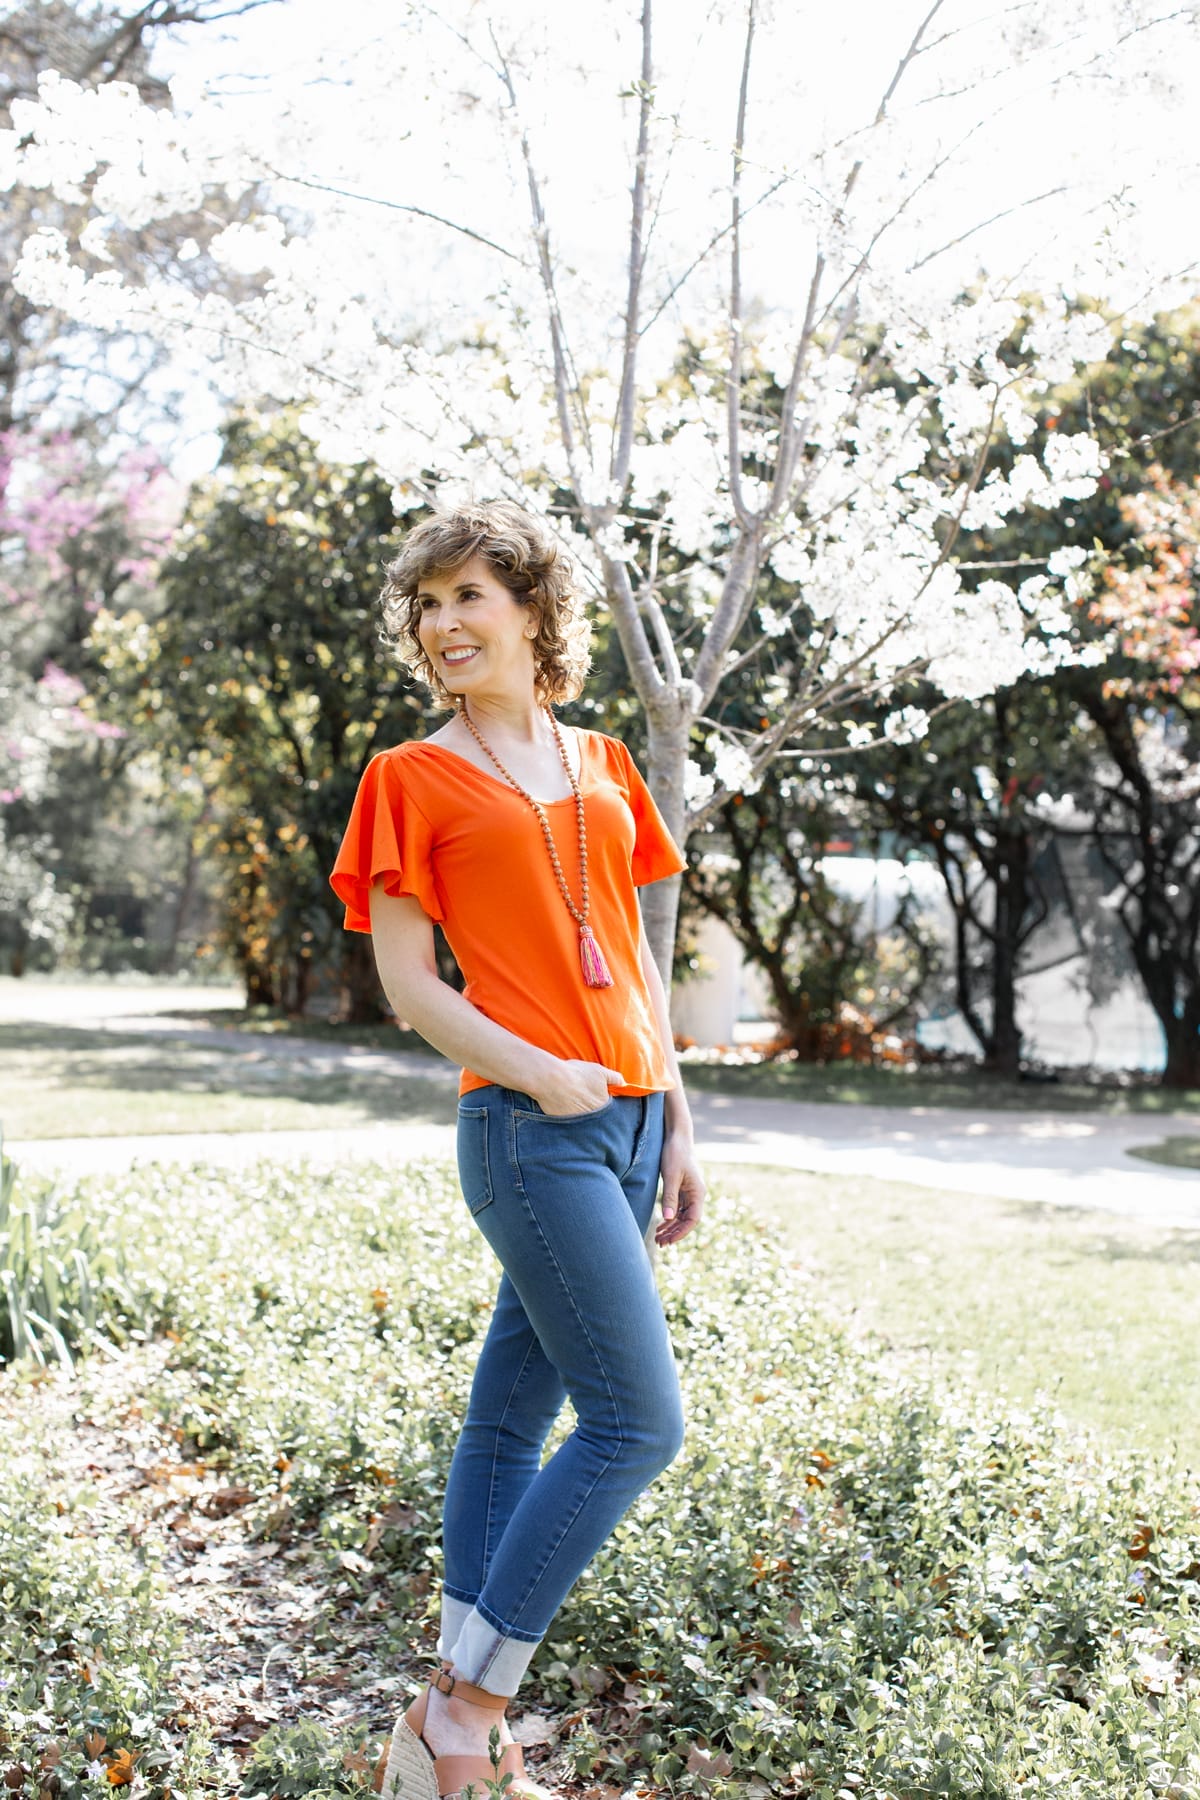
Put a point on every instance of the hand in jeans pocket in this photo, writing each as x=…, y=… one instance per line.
x=576, y=1088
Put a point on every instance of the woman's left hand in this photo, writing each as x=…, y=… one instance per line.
x=683, y=1190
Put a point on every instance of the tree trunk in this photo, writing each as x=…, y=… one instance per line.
x=1183, y=1059
x=298, y=985
x=260, y=984
x=963, y=992
x=183, y=903
x=669, y=728
x=361, y=1001
x=1182, y=1032
x=1004, y=1048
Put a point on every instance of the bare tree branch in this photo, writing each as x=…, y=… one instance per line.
x=568, y=395
x=733, y=395
x=420, y=212
x=619, y=464
x=718, y=237
x=1005, y=213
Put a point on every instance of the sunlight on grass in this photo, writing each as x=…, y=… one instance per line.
x=1094, y=1310
x=1172, y=1152
x=93, y=1084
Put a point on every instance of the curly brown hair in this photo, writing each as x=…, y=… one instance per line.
x=523, y=555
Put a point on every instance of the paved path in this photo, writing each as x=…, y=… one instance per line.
x=1076, y=1159
x=1065, y=1159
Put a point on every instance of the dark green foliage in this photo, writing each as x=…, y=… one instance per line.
x=262, y=686
x=837, y=986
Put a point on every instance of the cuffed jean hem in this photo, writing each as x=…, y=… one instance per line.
x=455, y=1614
x=489, y=1657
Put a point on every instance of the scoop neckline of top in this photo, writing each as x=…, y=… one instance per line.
x=498, y=780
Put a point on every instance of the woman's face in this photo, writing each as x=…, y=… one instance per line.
x=476, y=635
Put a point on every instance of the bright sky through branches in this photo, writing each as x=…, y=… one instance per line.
x=335, y=97
x=363, y=123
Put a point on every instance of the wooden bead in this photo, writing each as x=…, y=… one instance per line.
x=580, y=917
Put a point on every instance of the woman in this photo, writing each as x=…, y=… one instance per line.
x=527, y=842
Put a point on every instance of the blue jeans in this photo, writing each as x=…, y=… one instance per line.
x=566, y=1204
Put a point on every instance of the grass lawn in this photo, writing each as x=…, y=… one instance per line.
x=64, y=1010
x=930, y=1085
x=62, y=1082
x=1172, y=1152
x=1098, y=1312
x=853, y=1083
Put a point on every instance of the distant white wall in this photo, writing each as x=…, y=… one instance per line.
x=709, y=1004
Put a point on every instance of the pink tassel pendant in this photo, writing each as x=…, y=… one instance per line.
x=595, y=969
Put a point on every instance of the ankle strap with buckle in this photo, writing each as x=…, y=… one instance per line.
x=454, y=1686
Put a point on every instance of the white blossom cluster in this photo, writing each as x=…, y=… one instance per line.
x=420, y=331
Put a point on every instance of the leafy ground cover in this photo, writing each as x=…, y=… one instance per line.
x=219, y=1532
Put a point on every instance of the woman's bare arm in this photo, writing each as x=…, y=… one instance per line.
x=402, y=934
x=683, y=1185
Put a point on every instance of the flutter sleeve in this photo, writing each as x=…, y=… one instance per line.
x=655, y=852
x=388, y=836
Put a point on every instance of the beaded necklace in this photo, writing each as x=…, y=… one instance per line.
x=591, y=957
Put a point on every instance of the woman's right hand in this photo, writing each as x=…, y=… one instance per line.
x=572, y=1088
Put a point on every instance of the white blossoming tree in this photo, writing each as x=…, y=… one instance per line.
x=713, y=289
x=47, y=362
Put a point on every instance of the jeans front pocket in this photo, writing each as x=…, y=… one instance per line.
x=531, y=1110
x=474, y=1174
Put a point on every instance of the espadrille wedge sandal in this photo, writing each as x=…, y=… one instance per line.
x=409, y=1770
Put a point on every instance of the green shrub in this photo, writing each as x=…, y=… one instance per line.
x=85, y=1644
x=850, y=1583
x=60, y=1281
x=305, y=1759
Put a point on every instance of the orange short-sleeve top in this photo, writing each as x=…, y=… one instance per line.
x=429, y=823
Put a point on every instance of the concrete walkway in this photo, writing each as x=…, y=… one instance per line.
x=1075, y=1159
x=1063, y=1159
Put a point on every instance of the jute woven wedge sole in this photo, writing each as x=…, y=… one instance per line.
x=409, y=1770
x=409, y=1773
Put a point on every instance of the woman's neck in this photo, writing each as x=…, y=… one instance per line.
x=524, y=721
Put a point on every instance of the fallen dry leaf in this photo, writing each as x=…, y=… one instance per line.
x=395, y=1517
x=699, y=1762
x=534, y=1728
x=224, y=1500
x=355, y=1562
x=120, y=1768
